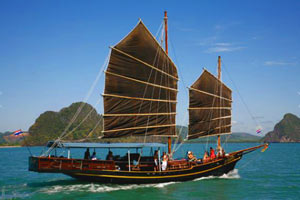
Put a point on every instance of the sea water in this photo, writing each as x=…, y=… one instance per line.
x=274, y=174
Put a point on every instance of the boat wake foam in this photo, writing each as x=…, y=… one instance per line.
x=234, y=174
x=98, y=188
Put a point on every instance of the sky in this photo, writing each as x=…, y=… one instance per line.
x=51, y=53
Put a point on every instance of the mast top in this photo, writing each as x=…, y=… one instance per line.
x=166, y=32
x=219, y=67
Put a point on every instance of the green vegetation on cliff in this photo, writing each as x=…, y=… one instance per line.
x=287, y=130
x=50, y=125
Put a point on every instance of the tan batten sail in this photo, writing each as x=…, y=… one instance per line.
x=209, y=107
x=140, y=88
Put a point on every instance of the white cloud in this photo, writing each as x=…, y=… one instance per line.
x=223, y=44
x=278, y=63
x=206, y=41
x=186, y=29
x=224, y=26
x=217, y=49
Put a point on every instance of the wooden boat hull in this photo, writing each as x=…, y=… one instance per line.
x=215, y=168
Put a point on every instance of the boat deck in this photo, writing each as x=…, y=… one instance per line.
x=57, y=164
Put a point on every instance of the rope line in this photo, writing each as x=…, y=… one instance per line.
x=81, y=105
x=240, y=95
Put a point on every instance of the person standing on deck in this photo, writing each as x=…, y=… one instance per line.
x=155, y=158
x=87, y=155
x=110, y=156
x=164, y=161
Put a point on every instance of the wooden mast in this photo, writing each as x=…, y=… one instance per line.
x=166, y=32
x=166, y=49
x=219, y=77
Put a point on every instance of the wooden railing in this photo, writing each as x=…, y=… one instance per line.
x=52, y=163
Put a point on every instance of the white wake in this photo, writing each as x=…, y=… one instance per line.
x=234, y=174
x=98, y=188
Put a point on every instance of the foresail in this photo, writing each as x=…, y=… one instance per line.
x=209, y=107
x=140, y=88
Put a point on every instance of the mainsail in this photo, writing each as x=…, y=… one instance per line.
x=140, y=88
x=209, y=107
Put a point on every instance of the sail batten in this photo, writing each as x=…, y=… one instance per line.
x=226, y=117
x=137, y=114
x=141, y=99
x=140, y=92
x=144, y=127
x=195, y=136
x=210, y=107
x=139, y=81
x=153, y=67
x=201, y=91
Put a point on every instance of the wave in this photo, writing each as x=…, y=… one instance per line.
x=234, y=174
x=98, y=188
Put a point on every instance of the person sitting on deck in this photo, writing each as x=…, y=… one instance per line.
x=87, y=155
x=94, y=156
x=110, y=156
x=191, y=156
x=212, y=153
x=221, y=153
x=206, y=158
x=164, y=161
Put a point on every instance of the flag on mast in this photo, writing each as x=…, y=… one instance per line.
x=259, y=129
x=18, y=132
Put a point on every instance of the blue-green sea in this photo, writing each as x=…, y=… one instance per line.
x=274, y=174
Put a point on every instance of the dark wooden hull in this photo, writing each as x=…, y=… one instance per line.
x=215, y=168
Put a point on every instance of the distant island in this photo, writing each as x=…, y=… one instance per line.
x=287, y=130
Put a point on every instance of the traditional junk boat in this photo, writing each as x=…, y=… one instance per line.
x=140, y=100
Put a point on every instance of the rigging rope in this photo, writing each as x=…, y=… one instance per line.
x=85, y=118
x=187, y=96
x=81, y=105
x=154, y=61
x=239, y=94
x=87, y=95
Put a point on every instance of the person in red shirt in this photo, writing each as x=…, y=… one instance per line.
x=212, y=153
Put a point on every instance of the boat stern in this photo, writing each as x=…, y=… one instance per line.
x=33, y=164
